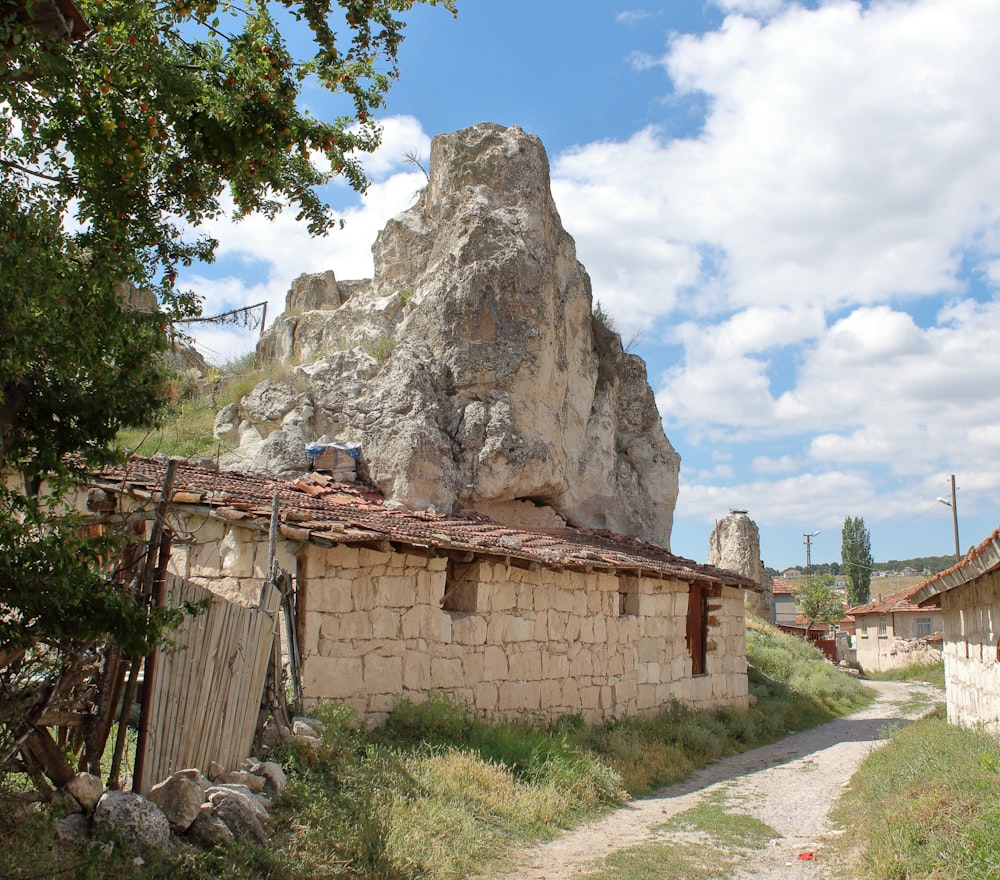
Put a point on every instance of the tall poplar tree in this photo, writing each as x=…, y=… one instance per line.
x=856, y=557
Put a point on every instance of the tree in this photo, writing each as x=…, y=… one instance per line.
x=818, y=602
x=118, y=137
x=856, y=556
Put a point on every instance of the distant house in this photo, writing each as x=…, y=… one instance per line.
x=393, y=603
x=788, y=618
x=785, y=610
x=894, y=632
x=969, y=595
x=791, y=573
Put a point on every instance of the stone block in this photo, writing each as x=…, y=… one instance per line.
x=437, y=563
x=525, y=666
x=237, y=553
x=616, y=665
x=428, y=588
x=571, y=695
x=555, y=665
x=484, y=696
x=648, y=650
x=333, y=678
x=398, y=591
x=590, y=698
x=355, y=625
x=343, y=557
x=329, y=595
x=565, y=600
x=516, y=628
x=646, y=697
x=368, y=558
x=551, y=695
x=625, y=694
x=447, y=673
x=382, y=675
x=582, y=664
x=365, y=592
x=468, y=629
x=385, y=623
x=501, y=597
x=473, y=668
x=496, y=667
x=423, y=621
x=519, y=696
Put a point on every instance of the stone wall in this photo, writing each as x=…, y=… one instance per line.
x=900, y=646
x=972, y=652
x=509, y=641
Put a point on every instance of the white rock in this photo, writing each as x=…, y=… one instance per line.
x=180, y=798
x=133, y=819
x=470, y=368
x=86, y=789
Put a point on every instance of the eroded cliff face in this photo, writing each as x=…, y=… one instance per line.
x=470, y=368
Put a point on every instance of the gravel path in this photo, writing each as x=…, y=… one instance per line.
x=790, y=785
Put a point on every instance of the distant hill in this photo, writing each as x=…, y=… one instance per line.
x=933, y=564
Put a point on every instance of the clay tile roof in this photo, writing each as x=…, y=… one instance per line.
x=900, y=601
x=313, y=508
x=982, y=560
x=782, y=587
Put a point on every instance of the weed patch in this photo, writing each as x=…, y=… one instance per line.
x=924, y=805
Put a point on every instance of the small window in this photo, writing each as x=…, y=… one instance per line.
x=923, y=627
x=628, y=603
x=883, y=625
x=461, y=587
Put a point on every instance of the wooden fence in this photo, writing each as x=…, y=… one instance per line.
x=207, y=687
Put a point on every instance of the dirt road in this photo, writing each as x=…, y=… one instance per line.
x=790, y=785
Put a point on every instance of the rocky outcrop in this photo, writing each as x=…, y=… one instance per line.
x=471, y=368
x=734, y=545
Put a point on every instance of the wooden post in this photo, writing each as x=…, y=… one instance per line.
x=127, y=699
x=156, y=560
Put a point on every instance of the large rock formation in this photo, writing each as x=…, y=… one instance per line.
x=734, y=545
x=470, y=368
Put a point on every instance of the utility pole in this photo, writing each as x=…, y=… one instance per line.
x=953, y=504
x=808, y=543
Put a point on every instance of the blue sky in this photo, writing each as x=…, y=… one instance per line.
x=796, y=204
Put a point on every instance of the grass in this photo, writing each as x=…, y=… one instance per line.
x=932, y=673
x=437, y=793
x=926, y=806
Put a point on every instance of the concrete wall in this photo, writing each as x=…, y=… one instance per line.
x=972, y=652
x=372, y=629
x=899, y=647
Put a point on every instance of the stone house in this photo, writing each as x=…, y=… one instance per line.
x=894, y=632
x=969, y=597
x=392, y=603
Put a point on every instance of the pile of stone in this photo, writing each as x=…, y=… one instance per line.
x=204, y=810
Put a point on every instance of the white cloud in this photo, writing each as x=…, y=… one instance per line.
x=757, y=8
x=847, y=157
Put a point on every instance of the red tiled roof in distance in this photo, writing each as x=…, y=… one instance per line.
x=313, y=508
x=897, y=602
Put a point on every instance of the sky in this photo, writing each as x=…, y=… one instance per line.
x=794, y=205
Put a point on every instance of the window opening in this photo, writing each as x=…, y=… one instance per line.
x=461, y=587
x=628, y=603
x=923, y=627
x=882, y=625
